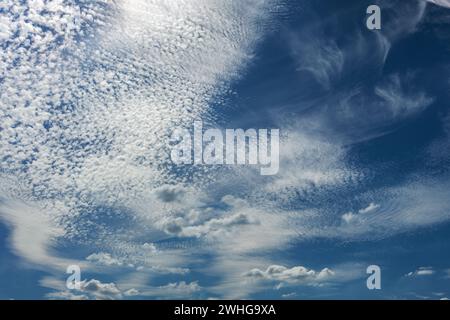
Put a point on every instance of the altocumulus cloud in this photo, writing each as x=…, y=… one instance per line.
x=91, y=91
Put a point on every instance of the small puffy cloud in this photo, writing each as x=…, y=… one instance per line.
x=371, y=207
x=182, y=286
x=132, y=292
x=351, y=217
x=105, y=259
x=99, y=290
x=422, y=271
x=295, y=275
x=180, y=228
x=208, y=221
x=348, y=217
x=89, y=290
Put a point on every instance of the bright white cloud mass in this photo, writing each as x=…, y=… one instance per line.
x=444, y=3
x=89, y=94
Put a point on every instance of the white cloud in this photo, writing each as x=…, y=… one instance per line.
x=294, y=275
x=210, y=227
x=366, y=112
x=132, y=293
x=89, y=289
x=104, y=258
x=422, y=271
x=444, y=3
x=33, y=234
x=349, y=217
x=290, y=295
x=307, y=162
x=104, y=291
x=180, y=288
x=95, y=125
x=370, y=208
x=405, y=18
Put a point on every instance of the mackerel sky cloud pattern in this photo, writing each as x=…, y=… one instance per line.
x=90, y=92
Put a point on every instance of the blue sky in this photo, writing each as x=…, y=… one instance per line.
x=90, y=92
